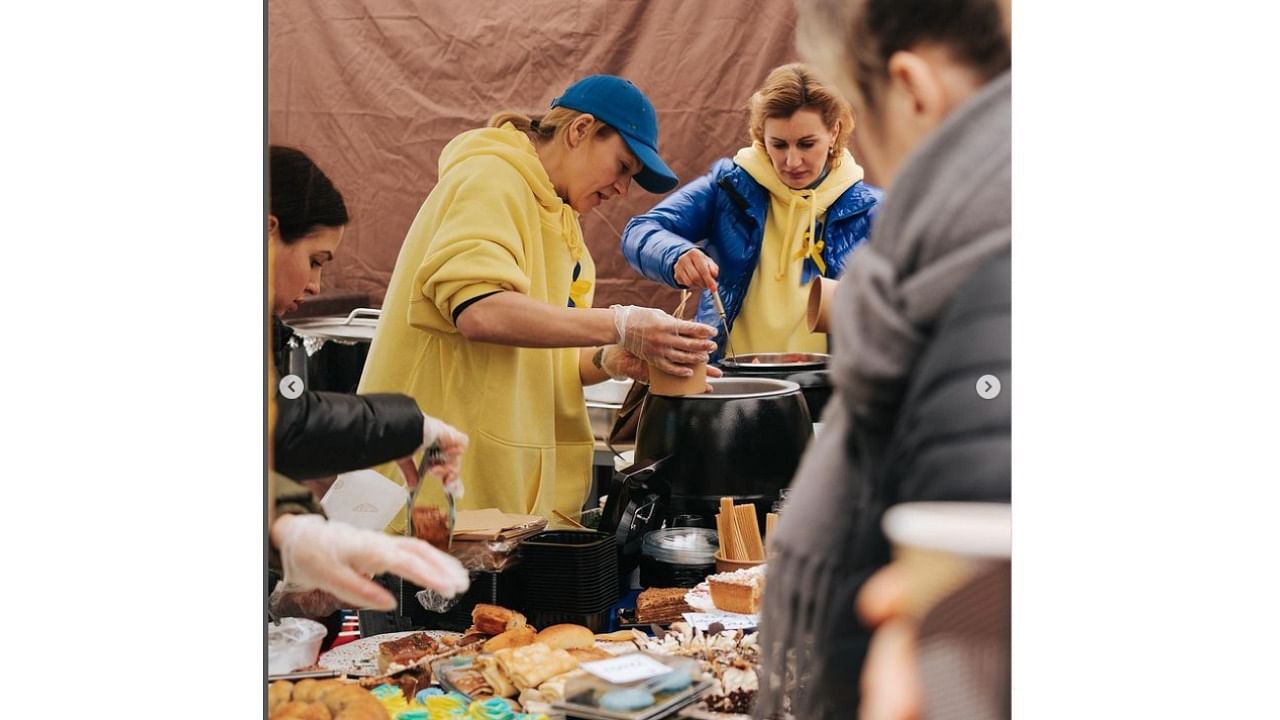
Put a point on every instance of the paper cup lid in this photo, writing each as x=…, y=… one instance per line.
x=963, y=528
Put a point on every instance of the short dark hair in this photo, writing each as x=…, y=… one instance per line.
x=302, y=196
x=871, y=31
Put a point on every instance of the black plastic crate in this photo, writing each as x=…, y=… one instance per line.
x=597, y=621
x=486, y=587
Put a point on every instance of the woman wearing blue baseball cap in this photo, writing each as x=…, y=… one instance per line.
x=487, y=319
x=785, y=210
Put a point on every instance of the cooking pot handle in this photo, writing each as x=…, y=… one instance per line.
x=374, y=313
x=641, y=472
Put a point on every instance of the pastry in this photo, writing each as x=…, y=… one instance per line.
x=495, y=620
x=431, y=524
x=622, y=636
x=552, y=690
x=328, y=700
x=588, y=654
x=496, y=676
x=730, y=657
x=278, y=693
x=739, y=591
x=294, y=710
x=532, y=665
x=661, y=605
x=470, y=681
x=511, y=638
x=406, y=650
x=566, y=637
x=734, y=690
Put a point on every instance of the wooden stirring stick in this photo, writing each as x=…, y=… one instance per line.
x=569, y=520
x=724, y=320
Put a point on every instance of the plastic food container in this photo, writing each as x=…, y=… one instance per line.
x=678, y=557
x=293, y=643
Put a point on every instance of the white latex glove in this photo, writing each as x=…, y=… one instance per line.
x=620, y=364
x=340, y=559
x=453, y=442
x=662, y=340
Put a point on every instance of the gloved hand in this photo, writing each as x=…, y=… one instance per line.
x=621, y=364
x=340, y=559
x=662, y=340
x=453, y=442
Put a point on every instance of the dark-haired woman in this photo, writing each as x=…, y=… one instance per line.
x=323, y=434
x=327, y=565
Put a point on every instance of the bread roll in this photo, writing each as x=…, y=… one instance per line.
x=511, y=638
x=567, y=637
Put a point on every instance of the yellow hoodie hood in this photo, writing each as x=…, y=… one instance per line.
x=517, y=149
x=797, y=228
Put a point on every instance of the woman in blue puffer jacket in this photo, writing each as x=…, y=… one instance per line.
x=761, y=227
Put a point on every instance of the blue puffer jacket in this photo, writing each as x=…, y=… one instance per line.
x=723, y=214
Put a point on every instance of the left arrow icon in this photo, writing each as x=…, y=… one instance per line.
x=291, y=386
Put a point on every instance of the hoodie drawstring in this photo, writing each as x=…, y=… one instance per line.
x=808, y=246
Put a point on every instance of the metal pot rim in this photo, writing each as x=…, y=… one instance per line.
x=768, y=387
x=814, y=361
x=357, y=326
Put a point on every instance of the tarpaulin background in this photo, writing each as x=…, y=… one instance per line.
x=372, y=90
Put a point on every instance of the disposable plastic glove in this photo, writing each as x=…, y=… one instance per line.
x=453, y=442
x=621, y=364
x=669, y=343
x=340, y=559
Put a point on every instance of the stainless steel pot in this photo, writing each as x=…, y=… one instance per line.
x=329, y=352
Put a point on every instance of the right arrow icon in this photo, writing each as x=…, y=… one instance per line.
x=988, y=387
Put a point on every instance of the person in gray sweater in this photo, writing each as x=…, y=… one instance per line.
x=912, y=331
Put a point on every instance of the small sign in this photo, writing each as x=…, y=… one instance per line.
x=730, y=621
x=625, y=669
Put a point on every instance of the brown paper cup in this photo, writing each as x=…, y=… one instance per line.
x=941, y=546
x=662, y=383
x=821, y=294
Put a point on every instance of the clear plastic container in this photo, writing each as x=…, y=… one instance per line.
x=681, y=545
x=293, y=643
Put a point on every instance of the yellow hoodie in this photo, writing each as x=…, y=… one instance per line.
x=772, y=315
x=492, y=223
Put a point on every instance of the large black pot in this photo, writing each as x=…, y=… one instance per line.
x=743, y=440
x=808, y=370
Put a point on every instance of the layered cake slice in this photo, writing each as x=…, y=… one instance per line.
x=739, y=591
x=661, y=605
x=405, y=651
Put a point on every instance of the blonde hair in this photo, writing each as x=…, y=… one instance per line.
x=553, y=126
x=795, y=87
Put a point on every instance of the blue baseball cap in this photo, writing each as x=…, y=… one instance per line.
x=624, y=107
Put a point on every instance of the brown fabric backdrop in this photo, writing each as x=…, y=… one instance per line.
x=373, y=89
